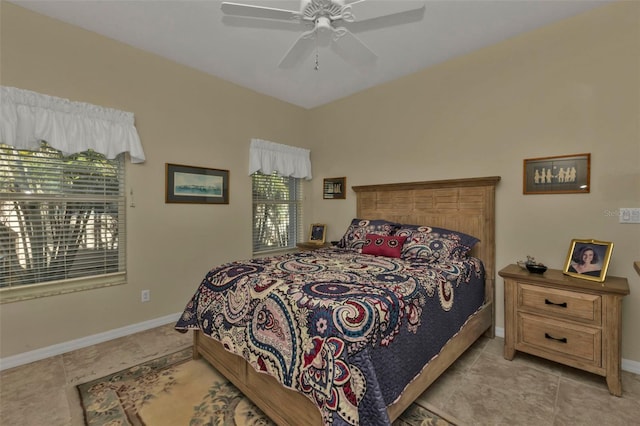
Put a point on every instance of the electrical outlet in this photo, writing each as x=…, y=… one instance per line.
x=629, y=215
x=145, y=296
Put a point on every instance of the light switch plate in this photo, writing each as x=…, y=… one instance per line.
x=629, y=215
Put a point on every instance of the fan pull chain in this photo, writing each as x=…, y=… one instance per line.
x=317, y=67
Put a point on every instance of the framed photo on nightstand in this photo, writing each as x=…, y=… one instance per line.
x=588, y=259
x=317, y=233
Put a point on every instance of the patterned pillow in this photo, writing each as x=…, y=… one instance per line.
x=382, y=245
x=435, y=244
x=356, y=232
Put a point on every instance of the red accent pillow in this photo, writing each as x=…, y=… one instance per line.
x=383, y=245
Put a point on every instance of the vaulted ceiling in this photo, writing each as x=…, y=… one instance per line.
x=247, y=51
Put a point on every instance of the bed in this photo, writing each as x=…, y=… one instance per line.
x=352, y=379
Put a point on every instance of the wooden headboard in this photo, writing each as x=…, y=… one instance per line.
x=465, y=205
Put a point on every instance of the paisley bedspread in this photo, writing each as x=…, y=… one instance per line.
x=348, y=330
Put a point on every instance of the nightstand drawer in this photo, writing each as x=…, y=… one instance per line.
x=562, y=304
x=567, y=339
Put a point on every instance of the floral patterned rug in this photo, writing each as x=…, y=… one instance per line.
x=175, y=390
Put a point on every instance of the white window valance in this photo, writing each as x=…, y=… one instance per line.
x=26, y=118
x=268, y=157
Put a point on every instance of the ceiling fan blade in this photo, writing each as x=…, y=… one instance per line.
x=352, y=49
x=264, y=24
x=300, y=50
x=363, y=10
x=238, y=9
x=385, y=22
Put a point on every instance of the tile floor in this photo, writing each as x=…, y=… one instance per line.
x=481, y=388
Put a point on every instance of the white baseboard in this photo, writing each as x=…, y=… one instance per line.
x=58, y=349
x=631, y=366
x=49, y=351
x=627, y=364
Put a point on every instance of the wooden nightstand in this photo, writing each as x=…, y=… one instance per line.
x=568, y=320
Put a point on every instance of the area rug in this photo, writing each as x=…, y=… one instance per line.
x=176, y=390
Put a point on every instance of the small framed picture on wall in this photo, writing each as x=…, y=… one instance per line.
x=334, y=188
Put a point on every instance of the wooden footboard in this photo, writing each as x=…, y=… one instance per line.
x=284, y=406
x=288, y=407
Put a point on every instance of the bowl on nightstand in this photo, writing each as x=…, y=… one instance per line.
x=536, y=268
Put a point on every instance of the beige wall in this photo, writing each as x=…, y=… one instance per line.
x=184, y=117
x=569, y=88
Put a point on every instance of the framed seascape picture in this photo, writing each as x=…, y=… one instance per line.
x=588, y=259
x=188, y=184
x=564, y=174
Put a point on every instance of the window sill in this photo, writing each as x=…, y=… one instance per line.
x=54, y=288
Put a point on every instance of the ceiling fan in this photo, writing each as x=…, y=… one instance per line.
x=327, y=21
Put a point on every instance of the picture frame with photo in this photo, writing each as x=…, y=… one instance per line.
x=588, y=259
x=317, y=233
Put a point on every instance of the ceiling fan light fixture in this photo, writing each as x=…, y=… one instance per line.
x=324, y=15
x=312, y=9
x=323, y=23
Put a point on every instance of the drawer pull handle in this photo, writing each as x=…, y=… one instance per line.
x=549, y=302
x=561, y=340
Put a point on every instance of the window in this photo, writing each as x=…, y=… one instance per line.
x=61, y=221
x=277, y=212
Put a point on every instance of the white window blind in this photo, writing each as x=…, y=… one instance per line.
x=61, y=218
x=277, y=212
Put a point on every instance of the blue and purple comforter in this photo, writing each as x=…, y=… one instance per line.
x=348, y=330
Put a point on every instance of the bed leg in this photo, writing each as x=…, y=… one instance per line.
x=490, y=295
x=196, y=337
